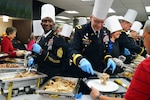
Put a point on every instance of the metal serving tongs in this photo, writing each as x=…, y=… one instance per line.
x=29, y=68
x=106, y=69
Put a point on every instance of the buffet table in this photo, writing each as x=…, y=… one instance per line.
x=115, y=89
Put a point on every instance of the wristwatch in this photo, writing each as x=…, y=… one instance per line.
x=98, y=97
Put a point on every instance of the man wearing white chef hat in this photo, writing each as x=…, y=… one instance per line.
x=50, y=49
x=124, y=42
x=90, y=41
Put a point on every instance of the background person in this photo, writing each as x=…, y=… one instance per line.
x=6, y=45
x=113, y=25
x=31, y=42
x=124, y=41
x=135, y=29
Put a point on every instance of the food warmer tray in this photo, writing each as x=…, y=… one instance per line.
x=19, y=82
x=20, y=68
x=70, y=94
x=3, y=55
x=13, y=60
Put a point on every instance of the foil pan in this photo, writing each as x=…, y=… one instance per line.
x=60, y=93
x=6, y=78
x=3, y=55
x=20, y=67
x=13, y=60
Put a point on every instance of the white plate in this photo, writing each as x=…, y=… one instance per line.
x=109, y=87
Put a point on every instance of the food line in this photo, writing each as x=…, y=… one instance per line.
x=10, y=83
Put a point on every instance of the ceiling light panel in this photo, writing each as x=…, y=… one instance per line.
x=62, y=17
x=71, y=12
x=147, y=8
x=111, y=10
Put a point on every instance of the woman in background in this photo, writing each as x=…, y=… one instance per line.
x=31, y=42
x=6, y=45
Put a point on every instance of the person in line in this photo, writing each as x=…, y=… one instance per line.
x=6, y=45
x=89, y=43
x=139, y=88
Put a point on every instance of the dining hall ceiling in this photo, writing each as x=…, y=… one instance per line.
x=85, y=7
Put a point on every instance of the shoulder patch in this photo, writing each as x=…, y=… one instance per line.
x=79, y=27
x=60, y=52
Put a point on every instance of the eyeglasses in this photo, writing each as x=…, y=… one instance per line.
x=98, y=21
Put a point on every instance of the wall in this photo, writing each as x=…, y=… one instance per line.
x=4, y=25
x=16, y=8
x=24, y=29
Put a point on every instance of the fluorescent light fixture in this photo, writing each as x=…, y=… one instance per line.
x=87, y=0
x=148, y=17
x=62, y=17
x=71, y=12
x=111, y=10
x=5, y=18
x=147, y=8
x=60, y=21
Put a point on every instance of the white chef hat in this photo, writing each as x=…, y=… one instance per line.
x=48, y=10
x=82, y=20
x=66, y=30
x=37, y=28
x=101, y=8
x=141, y=32
x=130, y=15
x=113, y=24
x=136, y=26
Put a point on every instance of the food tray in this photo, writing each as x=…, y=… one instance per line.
x=19, y=82
x=71, y=94
x=13, y=60
x=126, y=74
x=3, y=55
x=17, y=69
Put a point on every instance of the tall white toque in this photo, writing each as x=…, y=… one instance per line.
x=66, y=30
x=48, y=10
x=101, y=8
x=130, y=16
x=141, y=32
x=113, y=24
x=136, y=26
x=37, y=28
